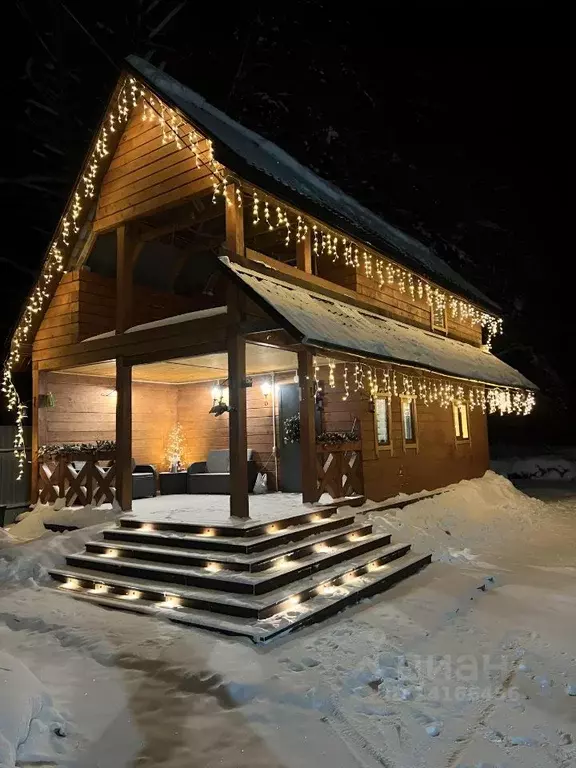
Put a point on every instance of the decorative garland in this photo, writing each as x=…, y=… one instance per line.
x=337, y=438
x=63, y=449
x=292, y=429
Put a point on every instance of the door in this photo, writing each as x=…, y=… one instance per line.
x=289, y=453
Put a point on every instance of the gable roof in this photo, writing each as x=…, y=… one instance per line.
x=326, y=323
x=264, y=164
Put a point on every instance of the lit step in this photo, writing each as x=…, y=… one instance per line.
x=231, y=560
x=249, y=606
x=314, y=609
x=214, y=576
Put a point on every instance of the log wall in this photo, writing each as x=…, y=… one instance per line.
x=438, y=459
x=85, y=410
x=148, y=173
x=397, y=305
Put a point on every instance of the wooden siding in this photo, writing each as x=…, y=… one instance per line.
x=85, y=410
x=148, y=174
x=438, y=460
x=59, y=325
x=397, y=305
x=205, y=431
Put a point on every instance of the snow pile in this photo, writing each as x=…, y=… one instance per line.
x=469, y=517
x=31, y=729
x=25, y=562
x=537, y=468
x=30, y=524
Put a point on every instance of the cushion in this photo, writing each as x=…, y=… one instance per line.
x=218, y=461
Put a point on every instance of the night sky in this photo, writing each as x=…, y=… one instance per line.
x=469, y=149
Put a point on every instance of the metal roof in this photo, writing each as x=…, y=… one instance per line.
x=266, y=165
x=320, y=321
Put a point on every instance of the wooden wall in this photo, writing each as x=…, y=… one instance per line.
x=396, y=304
x=85, y=410
x=147, y=175
x=204, y=431
x=438, y=460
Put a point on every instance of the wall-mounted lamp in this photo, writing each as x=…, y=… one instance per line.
x=266, y=388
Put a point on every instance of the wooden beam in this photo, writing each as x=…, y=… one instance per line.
x=304, y=253
x=38, y=428
x=307, y=427
x=234, y=221
x=124, y=277
x=123, y=435
x=238, y=440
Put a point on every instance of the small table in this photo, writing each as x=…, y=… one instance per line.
x=172, y=482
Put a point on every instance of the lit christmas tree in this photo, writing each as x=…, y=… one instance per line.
x=175, y=449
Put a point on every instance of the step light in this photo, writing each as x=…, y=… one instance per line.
x=207, y=532
x=322, y=548
x=110, y=553
x=99, y=589
x=282, y=562
x=147, y=527
x=213, y=567
x=71, y=584
x=171, y=601
x=272, y=528
x=131, y=594
x=315, y=518
x=353, y=536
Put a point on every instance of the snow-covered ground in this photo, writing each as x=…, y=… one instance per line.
x=469, y=663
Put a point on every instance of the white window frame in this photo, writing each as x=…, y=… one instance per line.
x=441, y=328
x=461, y=415
x=411, y=402
x=388, y=410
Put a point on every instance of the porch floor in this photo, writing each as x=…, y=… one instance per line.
x=212, y=509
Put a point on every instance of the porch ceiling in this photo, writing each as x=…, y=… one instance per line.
x=259, y=359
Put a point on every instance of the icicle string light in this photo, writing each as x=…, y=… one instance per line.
x=379, y=269
x=387, y=381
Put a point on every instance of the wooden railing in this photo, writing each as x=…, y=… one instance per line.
x=339, y=468
x=92, y=483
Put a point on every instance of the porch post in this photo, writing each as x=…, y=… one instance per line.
x=304, y=253
x=234, y=221
x=238, y=441
x=123, y=435
x=307, y=427
x=38, y=429
x=125, y=257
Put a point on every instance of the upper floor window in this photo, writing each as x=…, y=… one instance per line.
x=382, y=418
x=408, y=412
x=438, y=318
x=461, y=426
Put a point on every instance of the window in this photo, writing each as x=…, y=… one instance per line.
x=408, y=410
x=438, y=317
x=460, y=411
x=382, y=417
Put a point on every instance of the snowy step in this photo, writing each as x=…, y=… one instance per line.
x=238, y=561
x=249, y=606
x=260, y=582
x=329, y=601
x=231, y=527
x=150, y=535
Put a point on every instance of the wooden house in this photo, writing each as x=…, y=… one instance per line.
x=197, y=264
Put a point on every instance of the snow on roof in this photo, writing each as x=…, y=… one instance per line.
x=328, y=323
x=246, y=152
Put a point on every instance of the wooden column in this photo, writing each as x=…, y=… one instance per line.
x=123, y=434
x=307, y=426
x=304, y=253
x=238, y=441
x=125, y=258
x=234, y=221
x=38, y=428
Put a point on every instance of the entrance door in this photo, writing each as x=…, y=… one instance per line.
x=289, y=453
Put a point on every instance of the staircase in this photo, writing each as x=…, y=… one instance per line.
x=258, y=578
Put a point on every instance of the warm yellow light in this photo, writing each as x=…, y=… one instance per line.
x=266, y=388
x=320, y=548
x=71, y=584
x=315, y=518
x=282, y=562
x=207, y=532
x=100, y=588
x=171, y=601
x=353, y=536
x=213, y=567
x=110, y=553
x=272, y=529
x=132, y=594
x=147, y=527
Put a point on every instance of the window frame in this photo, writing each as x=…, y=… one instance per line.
x=457, y=420
x=413, y=442
x=434, y=325
x=377, y=444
